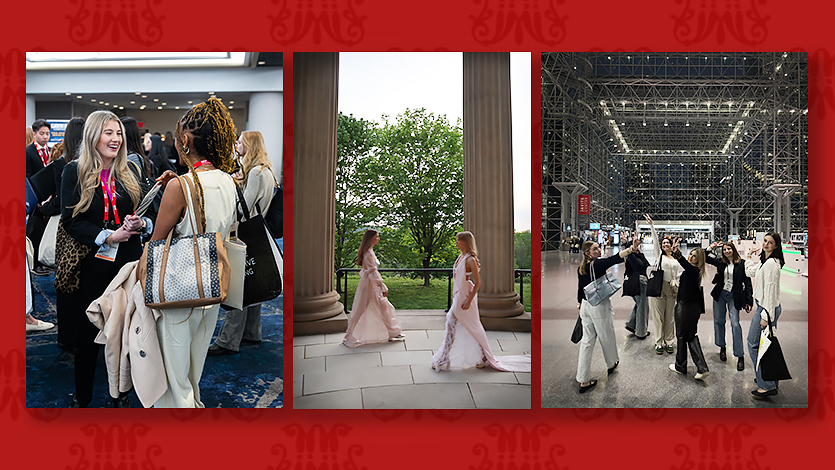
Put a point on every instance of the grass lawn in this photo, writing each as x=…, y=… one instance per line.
x=409, y=294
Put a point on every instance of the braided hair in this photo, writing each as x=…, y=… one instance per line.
x=213, y=138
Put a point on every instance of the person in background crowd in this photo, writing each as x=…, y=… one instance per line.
x=37, y=157
x=157, y=155
x=30, y=136
x=258, y=182
x=99, y=193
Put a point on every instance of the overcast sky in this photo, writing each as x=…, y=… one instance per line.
x=372, y=84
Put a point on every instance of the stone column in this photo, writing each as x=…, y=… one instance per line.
x=316, y=306
x=488, y=186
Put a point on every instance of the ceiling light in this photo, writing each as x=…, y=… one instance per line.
x=159, y=107
x=78, y=97
x=68, y=93
x=133, y=102
x=231, y=102
x=138, y=93
x=156, y=99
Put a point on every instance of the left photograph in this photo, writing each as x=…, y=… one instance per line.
x=154, y=231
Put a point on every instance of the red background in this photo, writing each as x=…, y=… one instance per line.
x=536, y=439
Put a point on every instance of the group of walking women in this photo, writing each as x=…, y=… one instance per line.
x=464, y=343
x=676, y=309
x=99, y=182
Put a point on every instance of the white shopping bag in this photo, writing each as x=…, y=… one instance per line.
x=765, y=342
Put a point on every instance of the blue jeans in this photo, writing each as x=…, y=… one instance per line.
x=754, y=344
x=719, y=306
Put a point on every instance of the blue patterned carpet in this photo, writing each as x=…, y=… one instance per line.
x=252, y=378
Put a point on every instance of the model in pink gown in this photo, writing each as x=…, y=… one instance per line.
x=372, y=315
x=465, y=342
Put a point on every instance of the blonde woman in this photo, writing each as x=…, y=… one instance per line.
x=99, y=192
x=205, y=139
x=258, y=181
x=689, y=306
x=465, y=342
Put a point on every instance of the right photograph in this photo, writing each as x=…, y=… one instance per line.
x=674, y=230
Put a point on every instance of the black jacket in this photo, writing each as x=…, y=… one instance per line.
x=742, y=291
x=33, y=160
x=636, y=266
x=689, y=286
x=46, y=183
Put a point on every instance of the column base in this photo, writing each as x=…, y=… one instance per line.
x=520, y=323
x=336, y=324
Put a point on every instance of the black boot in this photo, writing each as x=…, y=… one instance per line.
x=740, y=363
x=722, y=355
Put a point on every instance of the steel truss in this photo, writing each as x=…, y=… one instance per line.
x=680, y=136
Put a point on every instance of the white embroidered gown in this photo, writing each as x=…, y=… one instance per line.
x=465, y=342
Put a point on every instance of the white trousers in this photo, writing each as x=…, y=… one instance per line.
x=184, y=337
x=662, y=310
x=598, y=323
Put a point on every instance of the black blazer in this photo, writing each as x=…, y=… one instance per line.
x=33, y=160
x=86, y=226
x=636, y=266
x=742, y=291
x=689, y=287
x=600, y=267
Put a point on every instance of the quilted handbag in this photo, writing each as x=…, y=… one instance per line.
x=601, y=288
x=184, y=272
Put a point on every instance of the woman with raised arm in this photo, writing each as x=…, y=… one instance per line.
x=732, y=291
x=372, y=315
x=465, y=342
x=766, y=274
x=689, y=306
x=662, y=309
x=597, y=319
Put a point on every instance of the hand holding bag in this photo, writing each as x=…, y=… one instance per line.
x=183, y=272
x=655, y=280
x=262, y=278
x=770, y=358
x=601, y=288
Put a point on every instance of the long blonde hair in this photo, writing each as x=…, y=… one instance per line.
x=255, y=155
x=586, y=258
x=30, y=135
x=700, y=261
x=468, y=238
x=90, y=163
x=365, y=245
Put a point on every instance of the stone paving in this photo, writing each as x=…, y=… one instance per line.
x=397, y=375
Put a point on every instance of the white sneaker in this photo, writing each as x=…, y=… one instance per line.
x=701, y=375
x=673, y=368
x=39, y=326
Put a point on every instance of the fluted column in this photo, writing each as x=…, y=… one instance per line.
x=488, y=186
x=316, y=306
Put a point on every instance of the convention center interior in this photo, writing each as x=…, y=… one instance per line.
x=181, y=103
x=689, y=169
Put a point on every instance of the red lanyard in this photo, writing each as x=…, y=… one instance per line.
x=200, y=163
x=107, y=191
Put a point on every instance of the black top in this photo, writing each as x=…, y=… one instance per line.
x=33, y=160
x=46, y=183
x=636, y=266
x=600, y=266
x=742, y=291
x=689, y=285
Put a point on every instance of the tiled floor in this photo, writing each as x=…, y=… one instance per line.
x=397, y=374
x=642, y=378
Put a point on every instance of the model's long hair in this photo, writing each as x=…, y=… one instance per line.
x=30, y=135
x=778, y=249
x=469, y=239
x=586, y=248
x=365, y=245
x=213, y=138
x=700, y=261
x=90, y=163
x=133, y=141
x=735, y=258
x=255, y=154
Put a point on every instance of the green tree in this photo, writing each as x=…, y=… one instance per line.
x=418, y=176
x=522, y=249
x=355, y=140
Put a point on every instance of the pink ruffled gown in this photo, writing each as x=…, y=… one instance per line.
x=465, y=343
x=372, y=315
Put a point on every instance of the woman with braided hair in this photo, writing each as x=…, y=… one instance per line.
x=205, y=140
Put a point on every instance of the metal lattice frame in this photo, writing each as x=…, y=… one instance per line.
x=680, y=136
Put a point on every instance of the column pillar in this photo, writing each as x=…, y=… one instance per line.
x=316, y=306
x=266, y=115
x=30, y=110
x=488, y=186
x=734, y=228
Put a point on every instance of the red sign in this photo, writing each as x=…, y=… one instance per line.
x=584, y=204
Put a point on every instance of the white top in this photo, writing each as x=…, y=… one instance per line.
x=219, y=204
x=671, y=267
x=729, y=278
x=260, y=184
x=766, y=283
